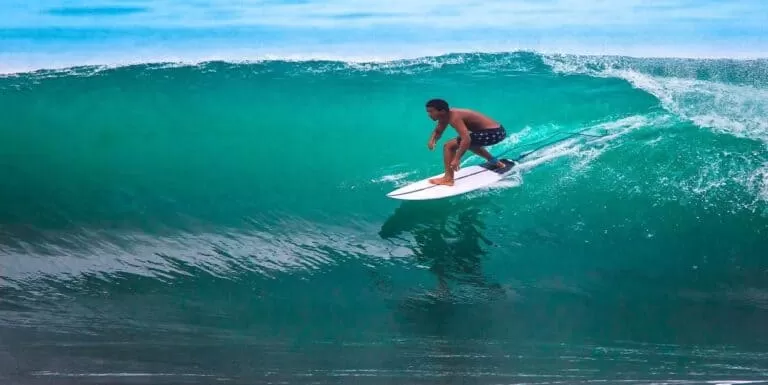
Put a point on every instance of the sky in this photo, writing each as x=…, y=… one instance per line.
x=107, y=30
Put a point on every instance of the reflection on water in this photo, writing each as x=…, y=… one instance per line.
x=448, y=237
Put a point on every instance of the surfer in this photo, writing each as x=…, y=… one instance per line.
x=475, y=132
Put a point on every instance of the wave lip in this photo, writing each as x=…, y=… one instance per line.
x=725, y=96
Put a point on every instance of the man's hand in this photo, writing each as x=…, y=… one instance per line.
x=436, y=133
x=465, y=138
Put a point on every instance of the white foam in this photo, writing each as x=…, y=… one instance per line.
x=757, y=181
x=396, y=179
x=266, y=252
x=353, y=55
x=737, y=110
x=582, y=149
x=604, y=135
x=359, y=54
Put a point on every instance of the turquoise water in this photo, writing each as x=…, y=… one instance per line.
x=227, y=222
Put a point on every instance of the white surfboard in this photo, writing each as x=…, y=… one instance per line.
x=465, y=180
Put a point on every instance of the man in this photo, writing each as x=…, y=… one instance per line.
x=475, y=132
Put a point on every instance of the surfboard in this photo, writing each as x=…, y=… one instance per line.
x=465, y=180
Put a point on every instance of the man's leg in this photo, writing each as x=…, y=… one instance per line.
x=449, y=150
x=481, y=151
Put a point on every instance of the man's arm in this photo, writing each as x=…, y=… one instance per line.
x=438, y=131
x=461, y=128
x=436, y=134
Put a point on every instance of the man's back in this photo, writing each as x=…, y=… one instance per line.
x=474, y=120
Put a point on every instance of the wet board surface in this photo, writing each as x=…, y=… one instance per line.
x=465, y=180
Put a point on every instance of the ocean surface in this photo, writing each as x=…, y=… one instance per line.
x=227, y=222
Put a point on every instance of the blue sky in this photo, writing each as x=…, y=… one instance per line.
x=97, y=30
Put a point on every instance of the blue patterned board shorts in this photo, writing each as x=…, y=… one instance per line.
x=485, y=137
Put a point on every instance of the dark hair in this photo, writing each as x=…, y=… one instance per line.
x=438, y=104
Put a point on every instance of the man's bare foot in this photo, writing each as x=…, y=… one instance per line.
x=501, y=164
x=442, y=181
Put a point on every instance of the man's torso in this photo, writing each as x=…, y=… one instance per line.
x=474, y=121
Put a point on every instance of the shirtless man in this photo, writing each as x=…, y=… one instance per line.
x=475, y=132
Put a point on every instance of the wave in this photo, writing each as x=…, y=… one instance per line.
x=171, y=159
x=725, y=95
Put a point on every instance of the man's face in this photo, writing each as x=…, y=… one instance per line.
x=434, y=114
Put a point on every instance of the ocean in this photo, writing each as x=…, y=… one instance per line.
x=227, y=222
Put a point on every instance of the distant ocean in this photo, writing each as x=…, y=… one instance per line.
x=226, y=221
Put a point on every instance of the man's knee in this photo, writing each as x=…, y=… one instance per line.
x=451, y=144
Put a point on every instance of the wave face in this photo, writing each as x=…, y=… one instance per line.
x=228, y=222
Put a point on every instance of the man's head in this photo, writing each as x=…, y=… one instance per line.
x=437, y=108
